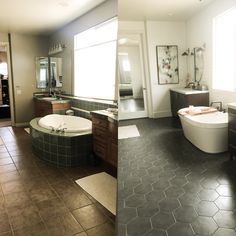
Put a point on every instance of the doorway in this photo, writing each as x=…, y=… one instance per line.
x=132, y=89
x=5, y=85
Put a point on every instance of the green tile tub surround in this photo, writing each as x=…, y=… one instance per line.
x=66, y=149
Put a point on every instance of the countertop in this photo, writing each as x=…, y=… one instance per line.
x=188, y=91
x=108, y=114
x=57, y=100
x=232, y=105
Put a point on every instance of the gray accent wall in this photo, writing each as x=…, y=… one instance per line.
x=103, y=12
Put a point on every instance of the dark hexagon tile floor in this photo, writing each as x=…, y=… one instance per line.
x=168, y=187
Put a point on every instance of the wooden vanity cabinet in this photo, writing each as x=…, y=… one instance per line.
x=43, y=108
x=179, y=100
x=232, y=132
x=105, y=138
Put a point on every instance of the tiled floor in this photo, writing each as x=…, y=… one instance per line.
x=38, y=199
x=168, y=187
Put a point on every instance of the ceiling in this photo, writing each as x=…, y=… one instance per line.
x=161, y=10
x=41, y=16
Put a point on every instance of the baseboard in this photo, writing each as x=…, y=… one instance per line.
x=162, y=114
x=26, y=124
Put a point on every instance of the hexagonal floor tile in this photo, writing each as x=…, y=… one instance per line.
x=185, y=214
x=162, y=220
x=209, y=183
x=156, y=232
x=204, y=225
x=225, y=190
x=169, y=204
x=178, y=181
x=148, y=209
x=226, y=203
x=225, y=219
x=161, y=184
x=189, y=199
x=205, y=208
x=127, y=214
x=208, y=194
x=180, y=229
x=225, y=232
x=135, y=200
x=139, y=226
x=174, y=192
x=192, y=187
x=143, y=188
x=154, y=196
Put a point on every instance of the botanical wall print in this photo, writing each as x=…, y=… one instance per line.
x=167, y=64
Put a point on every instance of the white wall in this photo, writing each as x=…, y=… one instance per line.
x=65, y=36
x=164, y=33
x=199, y=31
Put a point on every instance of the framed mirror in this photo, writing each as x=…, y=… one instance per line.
x=56, y=72
x=42, y=74
x=198, y=64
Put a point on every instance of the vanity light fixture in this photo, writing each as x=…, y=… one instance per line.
x=56, y=48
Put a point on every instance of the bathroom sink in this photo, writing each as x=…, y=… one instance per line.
x=49, y=98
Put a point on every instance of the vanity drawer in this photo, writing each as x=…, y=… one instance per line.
x=232, y=121
x=99, y=123
x=100, y=150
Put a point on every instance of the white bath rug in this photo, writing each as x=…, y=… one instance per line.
x=27, y=130
x=129, y=131
x=102, y=187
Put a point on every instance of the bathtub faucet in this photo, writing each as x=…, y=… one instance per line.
x=219, y=108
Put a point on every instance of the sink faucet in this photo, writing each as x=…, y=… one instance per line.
x=219, y=108
x=189, y=85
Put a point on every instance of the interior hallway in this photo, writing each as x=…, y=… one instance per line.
x=169, y=187
x=38, y=199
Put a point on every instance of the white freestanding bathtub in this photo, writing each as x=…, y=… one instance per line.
x=208, y=132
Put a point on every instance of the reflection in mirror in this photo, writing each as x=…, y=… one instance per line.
x=56, y=72
x=42, y=72
x=198, y=64
x=130, y=76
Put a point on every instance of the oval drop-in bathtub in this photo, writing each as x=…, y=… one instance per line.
x=70, y=124
x=208, y=132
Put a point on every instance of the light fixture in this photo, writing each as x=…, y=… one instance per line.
x=56, y=48
x=186, y=53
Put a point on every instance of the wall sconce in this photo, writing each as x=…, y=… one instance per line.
x=56, y=48
x=186, y=53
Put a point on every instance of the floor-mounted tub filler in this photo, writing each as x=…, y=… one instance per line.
x=62, y=140
x=205, y=128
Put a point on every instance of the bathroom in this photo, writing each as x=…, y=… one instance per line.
x=38, y=197
x=167, y=186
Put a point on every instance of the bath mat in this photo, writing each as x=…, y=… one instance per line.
x=102, y=187
x=27, y=130
x=129, y=131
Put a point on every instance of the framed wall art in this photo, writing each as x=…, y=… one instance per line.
x=167, y=64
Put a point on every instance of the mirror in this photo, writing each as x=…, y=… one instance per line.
x=198, y=64
x=42, y=75
x=56, y=72
x=130, y=70
x=43, y=71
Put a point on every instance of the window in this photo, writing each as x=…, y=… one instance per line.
x=95, y=61
x=224, y=51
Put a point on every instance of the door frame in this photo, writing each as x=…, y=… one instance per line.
x=10, y=81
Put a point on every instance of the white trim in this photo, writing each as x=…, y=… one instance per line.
x=162, y=114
